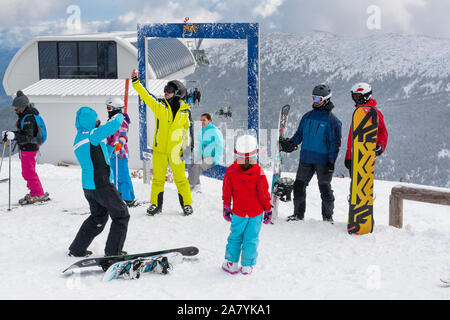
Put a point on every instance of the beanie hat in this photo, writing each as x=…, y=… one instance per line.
x=20, y=101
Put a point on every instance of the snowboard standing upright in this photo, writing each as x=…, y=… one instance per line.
x=278, y=158
x=364, y=136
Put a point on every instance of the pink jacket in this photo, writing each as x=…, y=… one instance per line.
x=121, y=136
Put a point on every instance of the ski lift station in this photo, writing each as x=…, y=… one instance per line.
x=59, y=74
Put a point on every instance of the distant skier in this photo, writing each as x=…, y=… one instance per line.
x=118, y=149
x=197, y=96
x=190, y=97
x=320, y=134
x=362, y=96
x=246, y=186
x=102, y=196
x=26, y=138
x=209, y=152
x=173, y=127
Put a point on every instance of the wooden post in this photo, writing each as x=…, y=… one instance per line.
x=399, y=193
x=395, y=211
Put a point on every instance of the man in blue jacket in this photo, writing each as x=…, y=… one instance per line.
x=102, y=196
x=320, y=134
x=209, y=152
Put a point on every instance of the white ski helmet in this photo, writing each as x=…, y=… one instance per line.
x=246, y=147
x=115, y=103
x=361, y=92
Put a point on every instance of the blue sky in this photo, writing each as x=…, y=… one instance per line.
x=21, y=20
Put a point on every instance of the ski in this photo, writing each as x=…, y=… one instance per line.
x=4, y=180
x=106, y=262
x=134, y=268
x=364, y=135
x=85, y=211
x=18, y=205
x=278, y=158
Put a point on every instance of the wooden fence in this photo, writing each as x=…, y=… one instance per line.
x=400, y=193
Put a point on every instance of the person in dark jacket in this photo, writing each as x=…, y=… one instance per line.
x=320, y=134
x=25, y=137
x=197, y=96
x=96, y=177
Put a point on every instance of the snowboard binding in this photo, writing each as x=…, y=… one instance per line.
x=283, y=189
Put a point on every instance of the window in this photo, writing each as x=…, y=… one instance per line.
x=48, y=65
x=77, y=60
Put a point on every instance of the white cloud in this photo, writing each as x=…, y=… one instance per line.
x=266, y=8
x=399, y=12
x=28, y=12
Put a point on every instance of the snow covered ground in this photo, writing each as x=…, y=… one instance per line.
x=297, y=260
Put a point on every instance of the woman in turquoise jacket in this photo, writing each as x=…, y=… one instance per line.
x=209, y=152
x=102, y=196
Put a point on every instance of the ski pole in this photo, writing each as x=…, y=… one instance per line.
x=3, y=155
x=125, y=100
x=117, y=172
x=9, y=195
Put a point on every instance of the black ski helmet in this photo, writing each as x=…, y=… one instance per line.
x=322, y=90
x=180, y=89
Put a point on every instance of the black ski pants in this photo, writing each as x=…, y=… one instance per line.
x=305, y=172
x=103, y=202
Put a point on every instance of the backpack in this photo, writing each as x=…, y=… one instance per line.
x=41, y=136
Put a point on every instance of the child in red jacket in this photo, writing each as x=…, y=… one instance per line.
x=246, y=185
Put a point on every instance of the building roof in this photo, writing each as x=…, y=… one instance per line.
x=167, y=56
x=89, y=87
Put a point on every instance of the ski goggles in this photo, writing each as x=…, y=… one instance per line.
x=169, y=89
x=320, y=98
x=252, y=156
x=357, y=96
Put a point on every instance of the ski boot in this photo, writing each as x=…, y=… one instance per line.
x=33, y=199
x=187, y=210
x=295, y=217
x=132, y=203
x=84, y=255
x=246, y=270
x=328, y=219
x=230, y=267
x=153, y=209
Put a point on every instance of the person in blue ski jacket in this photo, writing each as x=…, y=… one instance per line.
x=209, y=152
x=319, y=134
x=102, y=196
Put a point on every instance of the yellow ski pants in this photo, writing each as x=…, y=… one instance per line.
x=160, y=164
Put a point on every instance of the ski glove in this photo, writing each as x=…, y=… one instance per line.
x=267, y=216
x=227, y=213
x=287, y=145
x=330, y=167
x=8, y=135
x=378, y=150
x=117, y=147
x=348, y=163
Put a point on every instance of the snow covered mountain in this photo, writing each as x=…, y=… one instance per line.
x=410, y=76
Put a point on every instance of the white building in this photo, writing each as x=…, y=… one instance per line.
x=59, y=74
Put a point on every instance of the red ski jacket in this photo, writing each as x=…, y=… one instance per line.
x=249, y=191
x=382, y=136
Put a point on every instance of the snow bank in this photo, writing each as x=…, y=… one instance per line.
x=297, y=260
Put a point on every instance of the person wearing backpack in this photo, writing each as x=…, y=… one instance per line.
x=30, y=134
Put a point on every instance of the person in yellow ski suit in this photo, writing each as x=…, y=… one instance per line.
x=172, y=123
